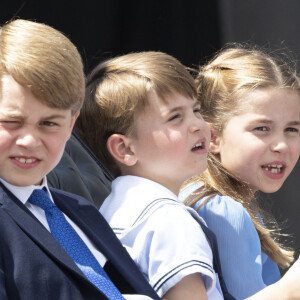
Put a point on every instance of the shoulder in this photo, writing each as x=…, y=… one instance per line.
x=168, y=220
x=82, y=212
x=69, y=201
x=134, y=199
x=222, y=205
x=228, y=218
x=68, y=195
x=221, y=211
x=170, y=212
x=149, y=212
x=159, y=239
x=80, y=172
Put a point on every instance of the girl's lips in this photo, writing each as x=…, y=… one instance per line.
x=274, y=170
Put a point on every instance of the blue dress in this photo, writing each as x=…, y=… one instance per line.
x=246, y=269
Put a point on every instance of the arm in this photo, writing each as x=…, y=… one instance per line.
x=190, y=287
x=239, y=246
x=178, y=248
x=236, y=231
x=287, y=288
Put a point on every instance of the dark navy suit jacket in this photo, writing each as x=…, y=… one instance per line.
x=33, y=265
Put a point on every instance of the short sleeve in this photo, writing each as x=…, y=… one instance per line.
x=238, y=243
x=175, y=247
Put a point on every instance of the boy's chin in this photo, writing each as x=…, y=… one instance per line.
x=24, y=181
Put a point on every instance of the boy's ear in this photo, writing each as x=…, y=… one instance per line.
x=73, y=120
x=214, y=145
x=119, y=146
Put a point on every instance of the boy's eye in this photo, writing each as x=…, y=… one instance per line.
x=262, y=128
x=49, y=123
x=173, y=117
x=197, y=111
x=10, y=124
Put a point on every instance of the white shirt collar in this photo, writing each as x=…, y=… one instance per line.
x=24, y=192
x=132, y=194
x=145, y=189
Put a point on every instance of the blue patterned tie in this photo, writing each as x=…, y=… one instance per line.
x=73, y=244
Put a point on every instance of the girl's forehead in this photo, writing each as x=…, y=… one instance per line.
x=265, y=96
x=268, y=102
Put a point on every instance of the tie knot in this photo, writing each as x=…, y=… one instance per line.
x=40, y=198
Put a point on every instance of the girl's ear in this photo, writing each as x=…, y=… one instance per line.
x=214, y=145
x=119, y=146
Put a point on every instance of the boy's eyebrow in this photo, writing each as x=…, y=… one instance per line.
x=170, y=110
x=56, y=116
x=176, y=108
x=10, y=114
x=20, y=116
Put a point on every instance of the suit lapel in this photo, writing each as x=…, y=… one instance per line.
x=35, y=230
x=88, y=218
x=100, y=233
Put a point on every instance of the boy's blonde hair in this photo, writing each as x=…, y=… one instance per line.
x=117, y=91
x=221, y=85
x=41, y=58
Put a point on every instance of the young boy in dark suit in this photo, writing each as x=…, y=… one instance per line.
x=52, y=244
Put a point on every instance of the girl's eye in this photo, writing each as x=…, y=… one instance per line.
x=291, y=129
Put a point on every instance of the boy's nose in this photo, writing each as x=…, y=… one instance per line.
x=28, y=139
x=198, y=124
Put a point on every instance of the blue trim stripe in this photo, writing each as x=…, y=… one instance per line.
x=117, y=230
x=150, y=206
x=178, y=269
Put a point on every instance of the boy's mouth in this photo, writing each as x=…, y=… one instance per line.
x=199, y=146
x=21, y=160
x=274, y=168
x=25, y=160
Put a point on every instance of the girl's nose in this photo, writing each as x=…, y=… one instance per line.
x=280, y=146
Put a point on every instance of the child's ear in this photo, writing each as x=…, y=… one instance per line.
x=214, y=145
x=121, y=149
x=73, y=120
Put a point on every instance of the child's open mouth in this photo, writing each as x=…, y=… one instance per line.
x=198, y=146
x=273, y=168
